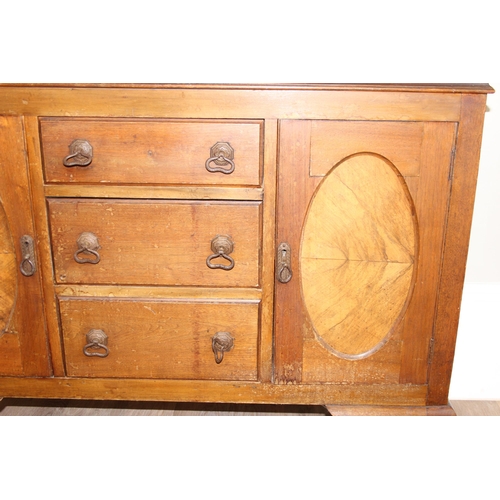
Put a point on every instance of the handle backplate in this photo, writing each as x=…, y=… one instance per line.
x=221, y=342
x=222, y=155
x=222, y=246
x=97, y=341
x=87, y=244
x=80, y=154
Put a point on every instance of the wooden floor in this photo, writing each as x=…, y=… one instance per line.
x=34, y=407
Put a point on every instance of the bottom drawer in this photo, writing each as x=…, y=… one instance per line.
x=135, y=338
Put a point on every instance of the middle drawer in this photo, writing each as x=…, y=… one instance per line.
x=141, y=242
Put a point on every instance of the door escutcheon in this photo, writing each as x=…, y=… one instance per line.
x=284, y=263
x=28, y=264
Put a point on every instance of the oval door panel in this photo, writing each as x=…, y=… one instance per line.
x=357, y=255
x=8, y=272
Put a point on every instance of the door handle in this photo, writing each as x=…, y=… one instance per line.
x=284, y=263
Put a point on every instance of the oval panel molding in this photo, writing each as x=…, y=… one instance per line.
x=358, y=254
x=8, y=272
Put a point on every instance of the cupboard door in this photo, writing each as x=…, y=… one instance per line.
x=23, y=344
x=361, y=220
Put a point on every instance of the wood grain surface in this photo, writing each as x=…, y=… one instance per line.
x=151, y=152
x=221, y=391
x=333, y=141
x=161, y=339
x=207, y=103
x=27, y=321
x=156, y=209
x=160, y=243
x=431, y=199
x=357, y=255
x=8, y=272
x=455, y=252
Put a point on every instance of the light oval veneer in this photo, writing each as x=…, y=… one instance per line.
x=357, y=255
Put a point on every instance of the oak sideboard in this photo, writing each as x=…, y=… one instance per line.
x=285, y=244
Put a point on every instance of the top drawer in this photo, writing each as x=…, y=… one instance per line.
x=145, y=151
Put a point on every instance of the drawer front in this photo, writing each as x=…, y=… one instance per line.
x=151, y=152
x=160, y=338
x=136, y=242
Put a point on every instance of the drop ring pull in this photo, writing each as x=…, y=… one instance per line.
x=80, y=154
x=87, y=244
x=222, y=246
x=222, y=156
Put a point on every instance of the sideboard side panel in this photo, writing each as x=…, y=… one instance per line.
x=456, y=244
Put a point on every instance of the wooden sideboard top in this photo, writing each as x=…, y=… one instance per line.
x=479, y=88
x=396, y=102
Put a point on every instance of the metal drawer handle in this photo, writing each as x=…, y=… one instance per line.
x=221, y=154
x=96, y=339
x=80, y=154
x=87, y=243
x=222, y=246
x=221, y=342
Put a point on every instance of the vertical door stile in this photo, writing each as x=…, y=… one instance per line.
x=28, y=317
x=295, y=188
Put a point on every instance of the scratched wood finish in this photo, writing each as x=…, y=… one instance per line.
x=295, y=189
x=212, y=391
x=357, y=255
x=11, y=362
x=27, y=320
x=8, y=272
x=161, y=339
x=268, y=240
x=298, y=355
x=208, y=103
x=405, y=356
x=456, y=245
x=332, y=141
x=10, y=349
x=431, y=203
x=160, y=243
x=152, y=192
x=151, y=152
x=44, y=250
x=159, y=292
x=296, y=143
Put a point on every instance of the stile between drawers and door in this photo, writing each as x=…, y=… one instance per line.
x=255, y=244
